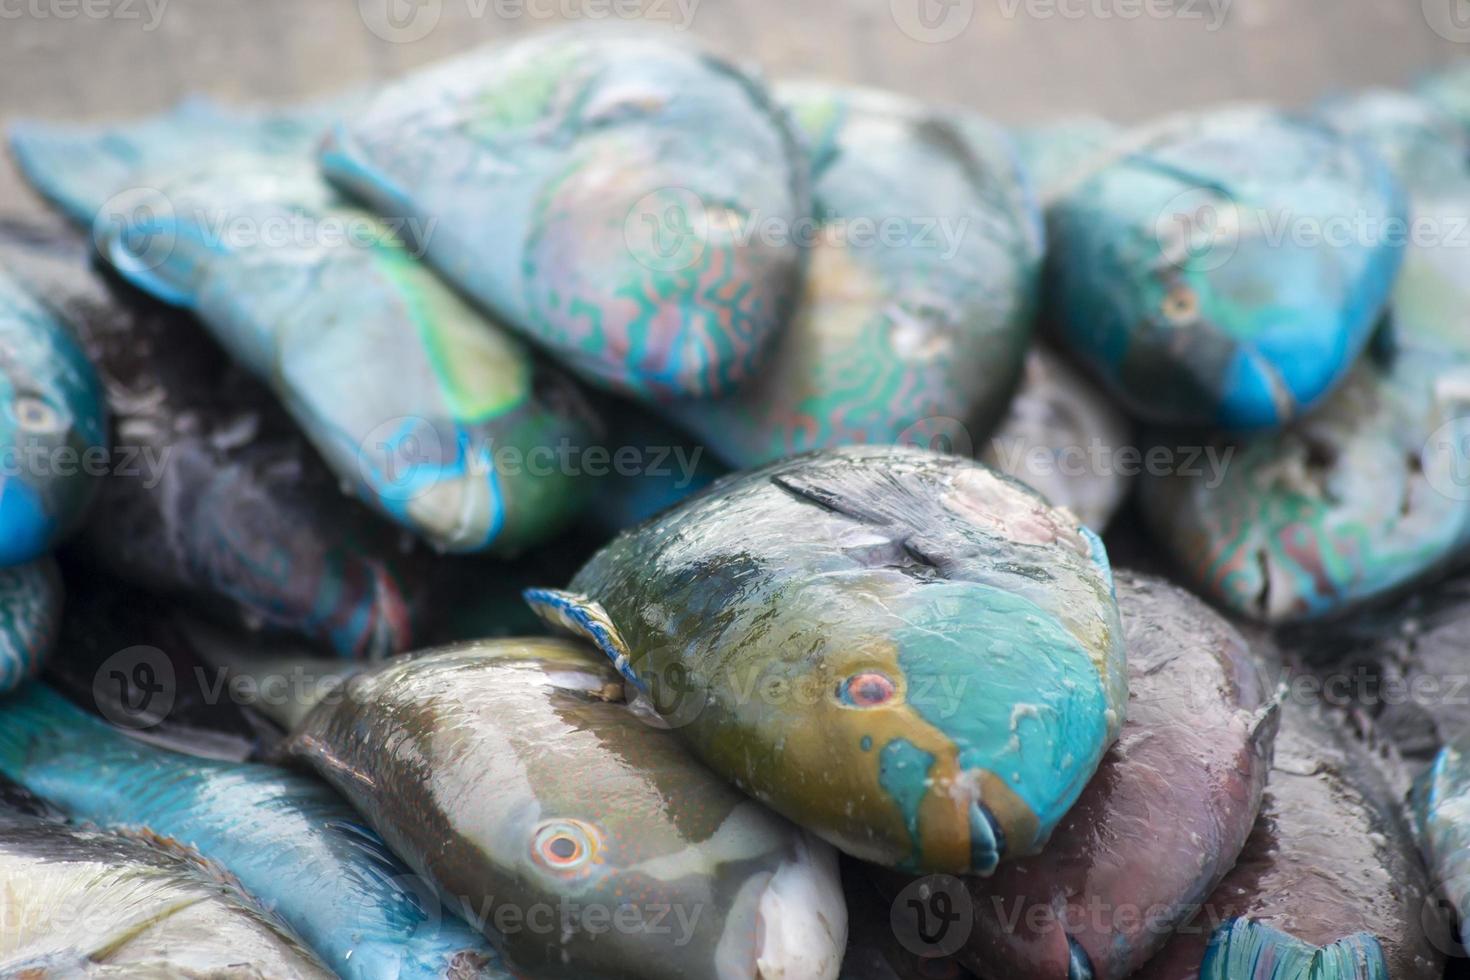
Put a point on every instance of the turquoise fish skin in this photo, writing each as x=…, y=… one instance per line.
x=904, y=652
x=290, y=840
x=1449, y=90
x=421, y=406
x=1056, y=153
x=30, y=619
x=1440, y=802
x=920, y=294
x=1368, y=493
x=1182, y=272
x=624, y=202
x=52, y=421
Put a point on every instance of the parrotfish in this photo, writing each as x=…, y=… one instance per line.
x=30, y=617
x=1224, y=268
x=1056, y=153
x=903, y=651
x=648, y=466
x=583, y=841
x=421, y=406
x=1160, y=824
x=290, y=840
x=211, y=494
x=1368, y=493
x=1062, y=437
x=920, y=293
x=627, y=203
x=1441, y=806
x=88, y=903
x=53, y=426
x=1328, y=887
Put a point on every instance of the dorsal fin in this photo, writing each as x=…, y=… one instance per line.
x=577, y=615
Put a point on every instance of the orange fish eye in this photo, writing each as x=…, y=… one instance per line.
x=566, y=845
x=866, y=690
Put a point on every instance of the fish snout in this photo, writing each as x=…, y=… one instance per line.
x=801, y=914
x=987, y=839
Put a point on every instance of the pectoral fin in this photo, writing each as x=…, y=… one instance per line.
x=577, y=615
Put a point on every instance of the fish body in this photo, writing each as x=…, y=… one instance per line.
x=902, y=651
x=1196, y=271
x=214, y=497
x=30, y=618
x=290, y=840
x=90, y=903
x=418, y=403
x=584, y=842
x=1197, y=747
x=919, y=296
x=1368, y=493
x=663, y=466
x=626, y=203
x=1056, y=153
x=53, y=426
x=1439, y=802
x=1328, y=887
x=1061, y=437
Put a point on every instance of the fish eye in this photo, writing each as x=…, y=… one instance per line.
x=34, y=415
x=866, y=690
x=1181, y=305
x=566, y=845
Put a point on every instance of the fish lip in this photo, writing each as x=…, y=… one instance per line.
x=801, y=916
x=987, y=839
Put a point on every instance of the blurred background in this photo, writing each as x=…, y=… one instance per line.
x=1017, y=60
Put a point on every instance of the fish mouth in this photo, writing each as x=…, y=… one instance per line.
x=801, y=918
x=1079, y=964
x=987, y=840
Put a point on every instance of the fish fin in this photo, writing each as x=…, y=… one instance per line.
x=574, y=613
x=862, y=493
x=1247, y=950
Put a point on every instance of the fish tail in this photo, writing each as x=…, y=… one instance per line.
x=1243, y=949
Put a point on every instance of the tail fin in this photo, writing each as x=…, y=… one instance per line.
x=1247, y=950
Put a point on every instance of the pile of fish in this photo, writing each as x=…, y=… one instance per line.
x=579, y=512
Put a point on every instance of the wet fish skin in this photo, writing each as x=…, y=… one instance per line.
x=30, y=617
x=1224, y=317
x=593, y=190
x=214, y=496
x=53, y=422
x=1363, y=497
x=1331, y=864
x=419, y=404
x=505, y=751
x=289, y=839
x=1060, y=414
x=1115, y=880
x=758, y=617
x=1060, y=151
x=90, y=903
x=1438, y=802
x=893, y=338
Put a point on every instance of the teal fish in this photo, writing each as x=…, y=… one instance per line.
x=88, y=903
x=1441, y=805
x=1449, y=90
x=902, y=651
x=53, y=427
x=424, y=408
x=919, y=297
x=1056, y=153
x=1367, y=494
x=584, y=842
x=290, y=840
x=1198, y=270
x=625, y=202
x=30, y=616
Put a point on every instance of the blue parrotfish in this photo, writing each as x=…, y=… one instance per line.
x=1224, y=268
x=213, y=496
x=1055, y=153
x=628, y=203
x=30, y=618
x=1440, y=802
x=920, y=293
x=289, y=839
x=1328, y=887
x=90, y=903
x=903, y=651
x=53, y=426
x=422, y=407
x=1160, y=824
x=586, y=843
x=1368, y=493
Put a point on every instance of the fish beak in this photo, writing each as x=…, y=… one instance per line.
x=802, y=916
x=987, y=840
